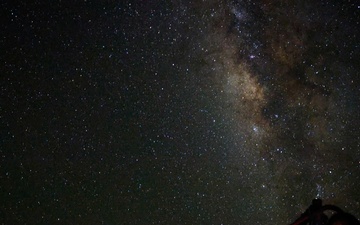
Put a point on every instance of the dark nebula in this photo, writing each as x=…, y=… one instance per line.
x=178, y=112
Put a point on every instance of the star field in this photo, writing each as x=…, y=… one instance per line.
x=178, y=112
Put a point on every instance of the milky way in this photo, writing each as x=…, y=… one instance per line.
x=178, y=112
x=278, y=65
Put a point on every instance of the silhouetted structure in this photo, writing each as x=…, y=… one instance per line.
x=314, y=215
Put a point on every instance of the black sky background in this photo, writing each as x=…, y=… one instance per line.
x=177, y=112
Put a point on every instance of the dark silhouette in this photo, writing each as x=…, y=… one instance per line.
x=314, y=215
x=343, y=219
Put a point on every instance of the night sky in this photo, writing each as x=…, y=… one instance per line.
x=178, y=112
